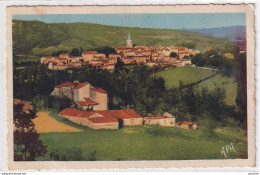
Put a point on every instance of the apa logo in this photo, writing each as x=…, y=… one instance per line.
x=228, y=148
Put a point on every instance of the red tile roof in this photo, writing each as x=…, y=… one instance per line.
x=80, y=85
x=66, y=84
x=100, y=90
x=124, y=114
x=182, y=49
x=48, y=57
x=157, y=117
x=105, y=119
x=108, y=116
x=73, y=112
x=89, y=52
x=62, y=58
x=106, y=64
x=87, y=102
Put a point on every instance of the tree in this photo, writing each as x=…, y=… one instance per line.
x=173, y=55
x=27, y=145
x=199, y=60
x=75, y=52
x=106, y=50
x=188, y=44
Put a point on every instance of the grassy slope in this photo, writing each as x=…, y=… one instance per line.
x=190, y=75
x=39, y=38
x=137, y=143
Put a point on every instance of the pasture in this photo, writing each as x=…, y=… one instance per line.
x=202, y=78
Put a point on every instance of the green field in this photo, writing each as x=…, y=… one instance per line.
x=189, y=75
x=146, y=143
x=26, y=58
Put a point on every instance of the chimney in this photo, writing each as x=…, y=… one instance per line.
x=76, y=82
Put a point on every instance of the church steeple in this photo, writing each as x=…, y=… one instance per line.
x=129, y=37
x=129, y=41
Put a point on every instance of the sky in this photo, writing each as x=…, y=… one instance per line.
x=161, y=21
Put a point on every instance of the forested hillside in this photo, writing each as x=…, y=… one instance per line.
x=38, y=38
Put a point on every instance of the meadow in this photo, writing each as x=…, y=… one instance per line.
x=201, y=77
x=146, y=143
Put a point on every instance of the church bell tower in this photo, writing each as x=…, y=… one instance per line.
x=129, y=41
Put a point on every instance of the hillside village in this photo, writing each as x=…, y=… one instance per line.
x=153, y=56
x=90, y=109
x=90, y=104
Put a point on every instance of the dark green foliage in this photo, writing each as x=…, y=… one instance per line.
x=55, y=103
x=188, y=44
x=215, y=59
x=73, y=154
x=27, y=145
x=58, y=53
x=173, y=55
x=75, y=52
x=106, y=50
x=93, y=156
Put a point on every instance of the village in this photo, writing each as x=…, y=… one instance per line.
x=90, y=109
x=153, y=56
x=90, y=104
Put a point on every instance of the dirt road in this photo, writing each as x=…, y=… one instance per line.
x=44, y=124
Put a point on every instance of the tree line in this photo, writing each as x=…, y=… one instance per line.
x=216, y=60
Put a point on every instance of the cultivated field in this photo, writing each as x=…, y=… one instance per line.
x=202, y=77
x=45, y=124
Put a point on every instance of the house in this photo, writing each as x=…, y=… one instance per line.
x=108, y=66
x=107, y=119
x=75, y=59
x=64, y=55
x=126, y=117
x=187, y=125
x=85, y=96
x=92, y=55
x=183, y=53
x=115, y=56
x=165, y=120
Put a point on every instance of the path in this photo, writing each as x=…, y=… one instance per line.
x=45, y=124
x=197, y=82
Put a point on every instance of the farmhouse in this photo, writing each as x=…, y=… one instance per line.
x=107, y=119
x=165, y=120
x=187, y=125
x=85, y=96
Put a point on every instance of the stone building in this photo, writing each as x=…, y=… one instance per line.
x=113, y=119
x=84, y=95
x=165, y=120
x=92, y=55
x=187, y=125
